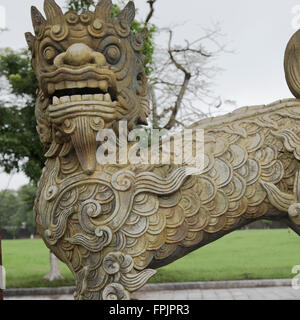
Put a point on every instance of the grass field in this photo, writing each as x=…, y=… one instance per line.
x=247, y=254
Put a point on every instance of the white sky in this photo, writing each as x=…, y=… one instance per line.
x=257, y=31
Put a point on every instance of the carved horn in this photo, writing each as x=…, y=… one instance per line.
x=38, y=21
x=127, y=14
x=52, y=11
x=103, y=9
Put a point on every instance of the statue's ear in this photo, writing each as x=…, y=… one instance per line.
x=30, y=40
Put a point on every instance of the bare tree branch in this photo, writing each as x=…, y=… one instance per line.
x=150, y=14
x=187, y=77
x=183, y=77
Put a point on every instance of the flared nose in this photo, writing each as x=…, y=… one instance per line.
x=79, y=54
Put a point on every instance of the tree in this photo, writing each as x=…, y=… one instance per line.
x=54, y=273
x=182, y=78
x=20, y=146
x=16, y=211
x=80, y=5
x=24, y=214
x=8, y=209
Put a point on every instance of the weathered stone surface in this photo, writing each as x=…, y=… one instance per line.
x=113, y=224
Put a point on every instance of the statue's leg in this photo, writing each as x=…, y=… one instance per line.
x=115, y=278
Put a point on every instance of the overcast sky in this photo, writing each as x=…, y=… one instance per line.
x=257, y=31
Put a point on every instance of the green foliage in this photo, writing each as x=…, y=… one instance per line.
x=8, y=207
x=16, y=211
x=80, y=5
x=20, y=146
x=16, y=66
x=26, y=195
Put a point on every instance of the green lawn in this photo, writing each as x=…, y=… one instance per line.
x=249, y=254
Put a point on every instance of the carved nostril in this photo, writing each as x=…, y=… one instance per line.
x=79, y=54
x=98, y=59
x=59, y=60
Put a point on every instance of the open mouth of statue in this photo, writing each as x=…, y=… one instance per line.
x=86, y=84
x=82, y=98
x=80, y=91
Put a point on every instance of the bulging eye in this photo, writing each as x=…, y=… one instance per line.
x=113, y=54
x=49, y=53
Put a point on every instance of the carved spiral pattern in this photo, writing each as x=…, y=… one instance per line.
x=98, y=28
x=59, y=32
x=69, y=126
x=85, y=17
x=91, y=207
x=123, y=180
x=122, y=28
x=97, y=123
x=116, y=262
x=72, y=17
x=115, y=291
x=51, y=193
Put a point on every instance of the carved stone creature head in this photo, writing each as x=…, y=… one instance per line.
x=91, y=74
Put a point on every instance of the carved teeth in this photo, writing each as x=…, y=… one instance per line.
x=87, y=97
x=65, y=99
x=107, y=97
x=76, y=98
x=82, y=84
x=103, y=85
x=99, y=97
x=55, y=101
x=93, y=84
x=60, y=86
x=70, y=84
x=65, y=85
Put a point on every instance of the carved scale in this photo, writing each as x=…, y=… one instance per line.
x=113, y=225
